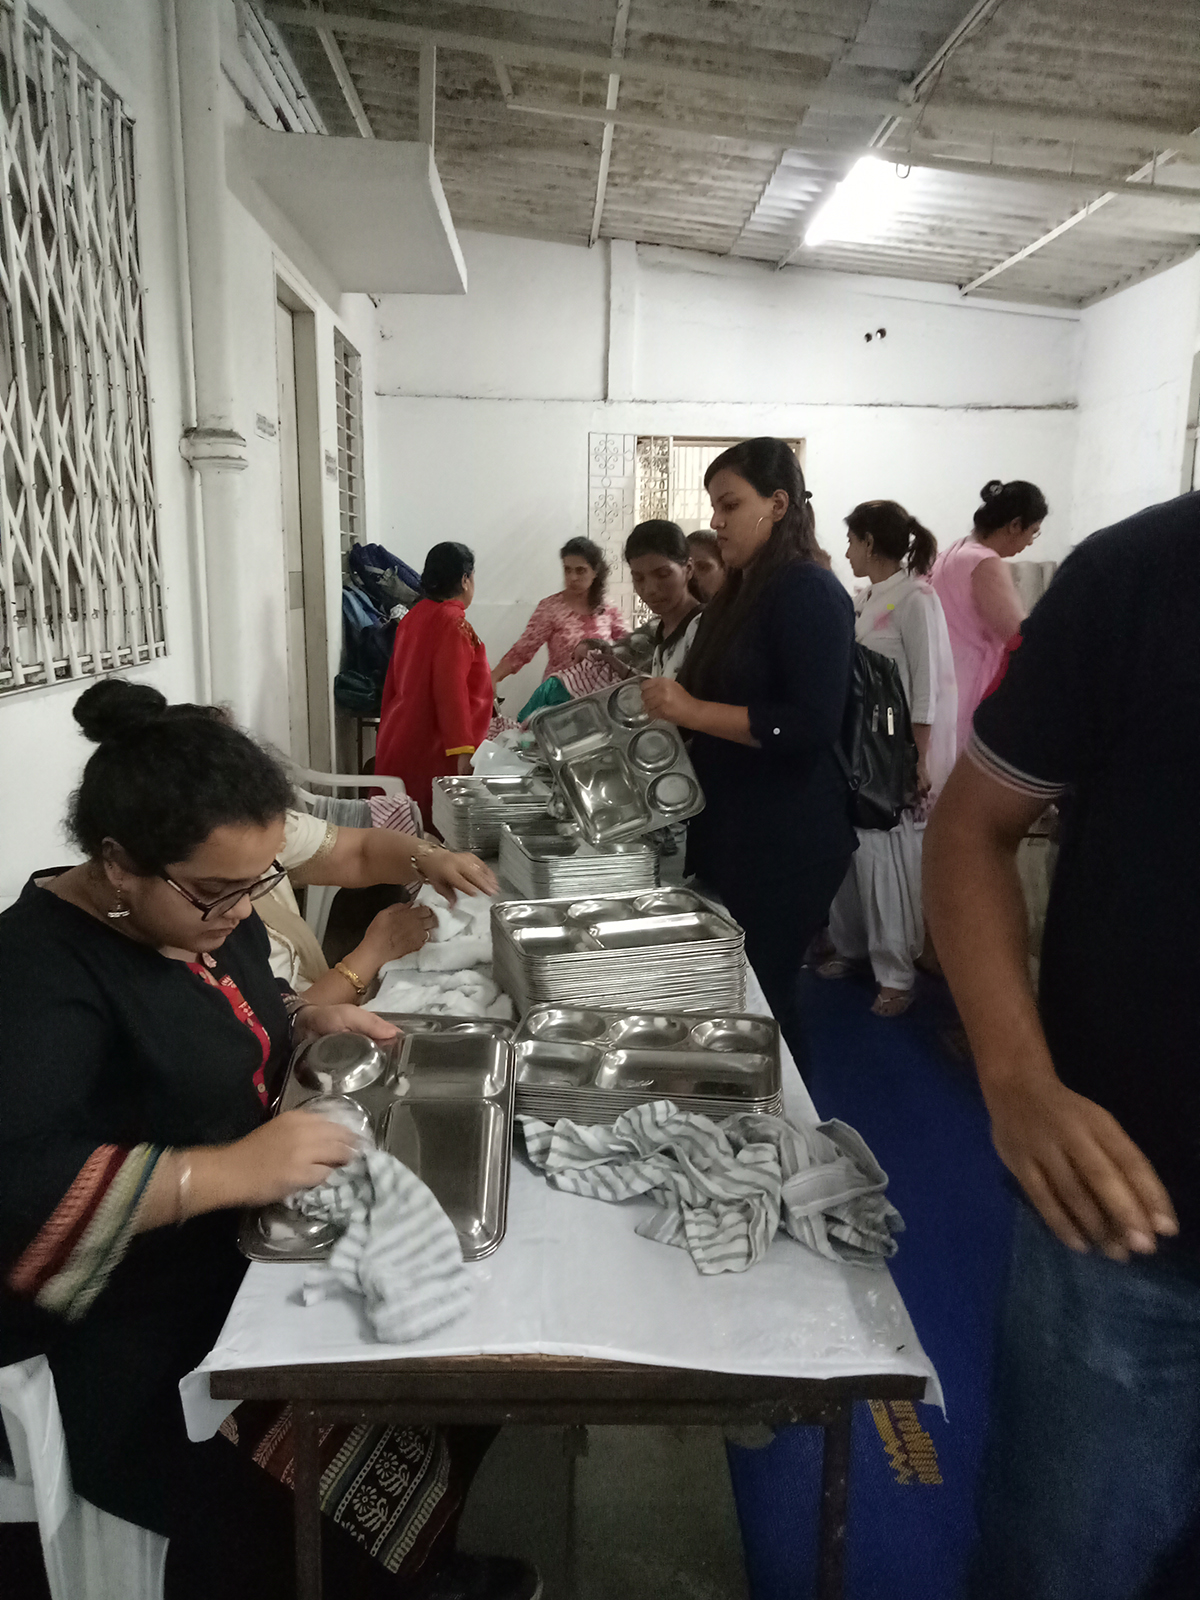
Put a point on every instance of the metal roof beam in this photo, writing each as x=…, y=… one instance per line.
x=1065, y=226
x=1024, y=120
x=427, y=95
x=1046, y=177
x=345, y=82
x=614, y=89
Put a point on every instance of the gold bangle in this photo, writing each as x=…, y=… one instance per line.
x=352, y=978
x=184, y=1190
x=423, y=854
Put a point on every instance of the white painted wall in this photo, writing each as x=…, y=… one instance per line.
x=258, y=259
x=41, y=751
x=486, y=403
x=1135, y=373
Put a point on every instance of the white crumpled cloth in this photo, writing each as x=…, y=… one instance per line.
x=461, y=937
x=399, y=1250
x=473, y=993
x=450, y=974
x=723, y=1188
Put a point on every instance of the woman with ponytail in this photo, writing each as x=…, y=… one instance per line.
x=763, y=692
x=877, y=912
x=982, y=606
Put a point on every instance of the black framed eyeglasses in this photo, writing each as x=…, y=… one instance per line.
x=226, y=902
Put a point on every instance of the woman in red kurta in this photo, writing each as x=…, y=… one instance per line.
x=437, y=698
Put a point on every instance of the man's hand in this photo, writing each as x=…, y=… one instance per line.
x=1087, y=1179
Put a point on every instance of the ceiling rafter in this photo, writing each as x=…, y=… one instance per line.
x=1150, y=171
x=984, y=117
x=614, y=89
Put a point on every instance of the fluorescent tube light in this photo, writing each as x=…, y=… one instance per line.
x=860, y=206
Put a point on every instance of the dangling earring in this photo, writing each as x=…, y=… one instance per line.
x=119, y=910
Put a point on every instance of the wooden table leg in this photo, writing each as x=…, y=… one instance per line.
x=306, y=1494
x=835, y=1491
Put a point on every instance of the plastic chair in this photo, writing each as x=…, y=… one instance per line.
x=318, y=897
x=88, y=1553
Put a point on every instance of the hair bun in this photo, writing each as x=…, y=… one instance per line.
x=991, y=489
x=114, y=707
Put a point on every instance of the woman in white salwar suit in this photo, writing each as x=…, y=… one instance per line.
x=877, y=911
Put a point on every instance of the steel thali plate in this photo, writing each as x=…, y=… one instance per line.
x=441, y=1098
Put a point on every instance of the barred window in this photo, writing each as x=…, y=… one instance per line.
x=348, y=370
x=80, y=578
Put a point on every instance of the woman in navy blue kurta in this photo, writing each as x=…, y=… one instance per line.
x=764, y=693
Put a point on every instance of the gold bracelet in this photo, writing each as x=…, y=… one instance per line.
x=352, y=978
x=184, y=1191
x=424, y=853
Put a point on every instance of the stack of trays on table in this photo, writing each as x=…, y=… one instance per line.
x=667, y=947
x=469, y=812
x=546, y=859
x=591, y=1065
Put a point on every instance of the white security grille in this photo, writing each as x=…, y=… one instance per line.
x=348, y=370
x=80, y=580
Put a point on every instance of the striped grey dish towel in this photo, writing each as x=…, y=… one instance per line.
x=724, y=1188
x=399, y=1249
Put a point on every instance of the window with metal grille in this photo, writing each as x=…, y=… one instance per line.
x=348, y=369
x=632, y=478
x=80, y=578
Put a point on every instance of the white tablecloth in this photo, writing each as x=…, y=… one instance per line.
x=571, y=1278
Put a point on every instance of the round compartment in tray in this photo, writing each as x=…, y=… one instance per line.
x=341, y=1109
x=733, y=1033
x=566, y=1026
x=672, y=793
x=653, y=750
x=668, y=902
x=588, y=911
x=339, y=1063
x=625, y=705
x=285, y=1230
x=530, y=915
x=646, y=1029
x=488, y=1030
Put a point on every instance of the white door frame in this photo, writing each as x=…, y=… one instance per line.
x=312, y=522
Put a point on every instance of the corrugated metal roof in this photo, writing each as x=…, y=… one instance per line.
x=753, y=195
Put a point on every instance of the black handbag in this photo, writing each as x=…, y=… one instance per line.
x=878, y=753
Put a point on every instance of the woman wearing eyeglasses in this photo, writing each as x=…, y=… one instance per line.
x=142, y=1035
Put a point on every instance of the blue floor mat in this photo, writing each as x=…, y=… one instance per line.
x=914, y=1473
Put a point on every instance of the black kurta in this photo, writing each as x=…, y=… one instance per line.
x=106, y=1042
x=775, y=839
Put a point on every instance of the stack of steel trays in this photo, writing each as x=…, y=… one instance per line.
x=546, y=860
x=664, y=948
x=469, y=812
x=591, y=1065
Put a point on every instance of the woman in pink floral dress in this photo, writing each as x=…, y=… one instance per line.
x=563, y=621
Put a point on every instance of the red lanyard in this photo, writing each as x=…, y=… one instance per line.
x=244, y=1012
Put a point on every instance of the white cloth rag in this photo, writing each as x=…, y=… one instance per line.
x=473, y=993
x=461, y=936
x=399, y=1249
x=723, y=1188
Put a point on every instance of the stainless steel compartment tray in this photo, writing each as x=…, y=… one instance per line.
x=621, y=773
x=469, y=812
x=546, y=859
x=440, y=1098
x=590, y=1063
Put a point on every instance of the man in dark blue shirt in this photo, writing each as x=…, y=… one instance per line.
x=1092, y=1479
